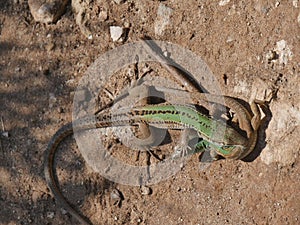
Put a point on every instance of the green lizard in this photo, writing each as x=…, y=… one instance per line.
x=229, y=143
x=161, y=116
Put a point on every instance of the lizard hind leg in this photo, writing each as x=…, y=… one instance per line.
x=147, y=137
x=205, y=146
x=207, y=156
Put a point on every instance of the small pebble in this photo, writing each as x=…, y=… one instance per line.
x=284, y=52
x=116, y=33
x=229, y=39
x=126, y=24
x=52, y=100
x=119, y=1
x=223, y=2
x=103, y=15
x=116, y=196
x=271, y=55
x=162, y=19
x=47, y=11
x=166, y=54
x=145, y=190
x=295, y=3
x=50, y=215
x=5, y=134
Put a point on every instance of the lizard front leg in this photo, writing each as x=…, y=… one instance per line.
x=183, y=148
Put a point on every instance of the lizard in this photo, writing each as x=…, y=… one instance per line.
x=232, y=145
x=164, y=116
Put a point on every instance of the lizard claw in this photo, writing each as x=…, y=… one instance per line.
x=181, y=151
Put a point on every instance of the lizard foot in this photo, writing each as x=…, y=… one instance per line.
x=181, y=151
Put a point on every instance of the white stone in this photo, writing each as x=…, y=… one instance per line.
x=163, y=19
x=116, y=32
x=283, y=135
x=223, y=2
x=283, y=51
x=145, y=190
x=52, y=100
x=295, y=3
x=103, y=15
x=119, y=1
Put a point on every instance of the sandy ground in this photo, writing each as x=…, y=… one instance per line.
x=247, y=45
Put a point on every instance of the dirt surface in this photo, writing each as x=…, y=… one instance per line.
x=247, y=45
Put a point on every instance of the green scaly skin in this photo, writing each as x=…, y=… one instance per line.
x=222, y=138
